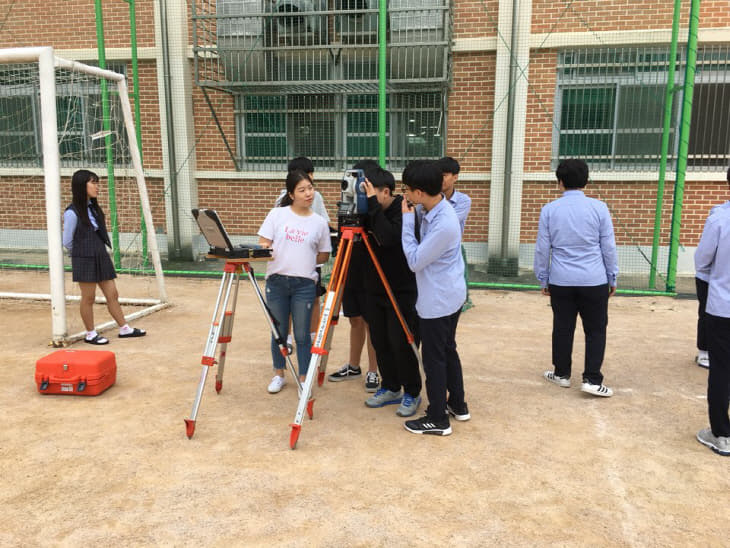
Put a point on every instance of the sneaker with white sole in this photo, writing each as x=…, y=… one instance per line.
x=424, y=425
x=344, y=373
x=719, y=444
x=276, y=384
x=408, y=406
x=560, y=381
x=383, y=397
x=372, y=382
x=703, y=359
x=459, y=413
x=596, y=389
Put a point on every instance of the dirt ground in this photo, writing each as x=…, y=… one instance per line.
x=537, y=464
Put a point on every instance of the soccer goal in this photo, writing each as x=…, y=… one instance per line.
x=58, y=116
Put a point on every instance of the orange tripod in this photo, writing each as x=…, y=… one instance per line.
x=221, y=329
x=329, y=317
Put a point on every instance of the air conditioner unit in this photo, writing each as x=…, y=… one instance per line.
x=240, y=40
x=357, y=26
x=296, y=25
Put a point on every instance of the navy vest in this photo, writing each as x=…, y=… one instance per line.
x=86, y=239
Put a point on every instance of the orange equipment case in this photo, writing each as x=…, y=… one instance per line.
x=76, y=372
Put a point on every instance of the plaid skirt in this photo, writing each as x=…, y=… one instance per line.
x=93, y=269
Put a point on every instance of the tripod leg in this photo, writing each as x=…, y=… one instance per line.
x=208, y=358
x=409, y=336
x=324, y=335
x=281, y=343
x=226, y=333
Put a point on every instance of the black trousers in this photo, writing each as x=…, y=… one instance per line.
x=441, y=363
x=592, y=304
x=702, y=287
x=718, y=380
x=397, y=363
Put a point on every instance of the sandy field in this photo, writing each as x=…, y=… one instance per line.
x=537, y=465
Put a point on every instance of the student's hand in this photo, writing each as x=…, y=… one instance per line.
x=406, y=206
x=611, y=291
x=545, y=291
x=369, y=188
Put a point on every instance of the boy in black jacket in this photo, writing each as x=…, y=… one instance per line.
x=397, y=363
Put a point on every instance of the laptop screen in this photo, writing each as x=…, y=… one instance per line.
x=212, y=228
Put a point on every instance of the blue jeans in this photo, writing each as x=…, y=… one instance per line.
x=291, y=296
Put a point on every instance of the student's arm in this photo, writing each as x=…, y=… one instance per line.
x=432, y=245
x=386, y=232
x=541, y=262
x=267, y=230
x=462, y=208
x=324, y=244
x=70, y=220
x=265, y=242
x=707, y=248
x=607, y=242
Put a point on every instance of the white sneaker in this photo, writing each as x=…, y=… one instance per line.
x=276, y=384
x=560, y=381
x=596, y=389
x=703, y=359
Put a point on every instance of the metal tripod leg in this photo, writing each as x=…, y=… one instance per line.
x=274, y=331
x=208, y=359
x=320, y=347
x=225, y=335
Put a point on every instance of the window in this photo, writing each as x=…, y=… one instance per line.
x=337, y=130
x=610, y=107
x=79, y=114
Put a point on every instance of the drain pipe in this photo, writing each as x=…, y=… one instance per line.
x=169, y=128
x=508, y=145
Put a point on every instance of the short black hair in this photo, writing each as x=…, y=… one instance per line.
x=301, y=162
x=573, y=173
x=367, y=166
x=423, y=175
x=449, y=165
x=380, y=178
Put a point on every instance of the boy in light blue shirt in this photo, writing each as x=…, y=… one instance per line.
x=434, y=254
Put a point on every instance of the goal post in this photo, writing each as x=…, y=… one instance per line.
x=51, y=136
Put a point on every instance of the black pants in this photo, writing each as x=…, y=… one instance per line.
x=442, y=365
x=702, y=287
x=592, y=305
x=397, y=363
x=718, y=380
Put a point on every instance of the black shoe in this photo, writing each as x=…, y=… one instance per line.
x=344, y=373
x=459, y=413
x=424, y=425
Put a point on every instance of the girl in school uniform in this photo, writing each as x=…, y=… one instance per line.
x=86, y=238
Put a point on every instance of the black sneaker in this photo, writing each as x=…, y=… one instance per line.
x=345, y=372
x=372, y=382
x=459, y=413
x=424, y=425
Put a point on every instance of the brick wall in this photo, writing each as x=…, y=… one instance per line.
x=24, y=202
x=71, y=24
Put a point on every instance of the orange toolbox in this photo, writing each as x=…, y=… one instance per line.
x=76, y=372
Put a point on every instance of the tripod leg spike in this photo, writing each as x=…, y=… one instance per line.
x=189, y=428
x=218, y=386
x=294, y=436
x=320, y=378
x=310, y=408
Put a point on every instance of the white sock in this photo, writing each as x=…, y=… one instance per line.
x=313, y=335
x=289, y=340
x=703, y=354
x=125, y=329
x=91, y=334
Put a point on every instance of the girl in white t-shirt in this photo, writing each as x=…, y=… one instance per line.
x=300, y=241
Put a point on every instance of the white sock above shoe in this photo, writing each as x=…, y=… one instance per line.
x=91, y=334
x=125, y=329
x=703, y=354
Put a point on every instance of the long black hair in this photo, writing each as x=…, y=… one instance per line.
x=292, y=180
x=79, y=196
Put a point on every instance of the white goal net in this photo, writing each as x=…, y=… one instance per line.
x=58, y=116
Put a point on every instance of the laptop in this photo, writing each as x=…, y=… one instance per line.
x=220, y=244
